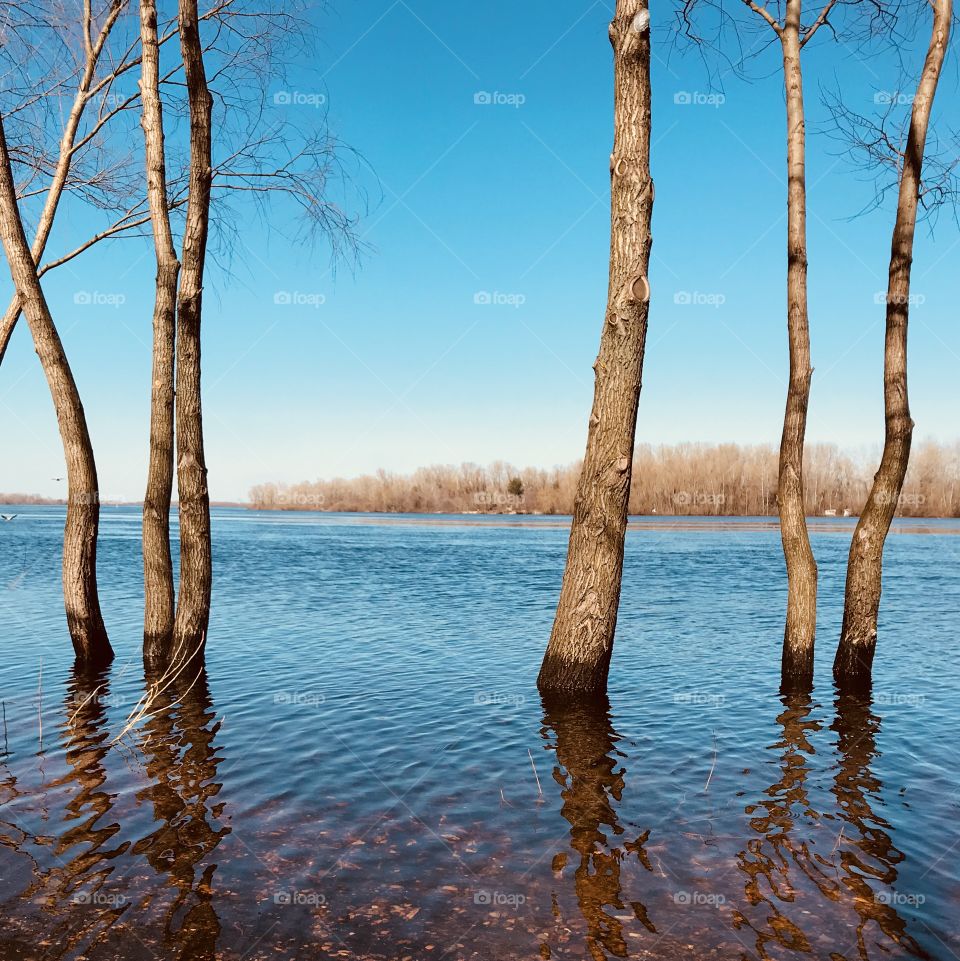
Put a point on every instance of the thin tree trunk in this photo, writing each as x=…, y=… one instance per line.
x=853, y=665
x=84, y=619
x=158, y=614
x=193, y=605
x=801, y=623
x=581, y=643
x=58, y=181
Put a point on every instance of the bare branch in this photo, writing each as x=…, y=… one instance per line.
x=766, y=15
x=818, y=23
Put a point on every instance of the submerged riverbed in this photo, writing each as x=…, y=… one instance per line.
x=366, y=769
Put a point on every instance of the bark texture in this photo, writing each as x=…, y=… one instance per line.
x=82, y=602
x=158, y=614
x=801, y=622
x=577, y=659
x=196, y=575
x=853, y=664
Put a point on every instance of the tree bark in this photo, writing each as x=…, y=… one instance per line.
x=193, y=604
x=81, y=599
x=853, y=664
x=158, y=614
x=801, y=622
x=577, y=659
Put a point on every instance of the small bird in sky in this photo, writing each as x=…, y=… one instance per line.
x=8, y=517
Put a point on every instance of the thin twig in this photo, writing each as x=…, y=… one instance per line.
x=839, y=836
x=706, y=786
x=40, y=703
x=537, y=776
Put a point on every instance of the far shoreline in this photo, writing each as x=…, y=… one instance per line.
x=821, y=523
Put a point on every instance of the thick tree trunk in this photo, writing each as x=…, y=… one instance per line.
x=581, y=643
x=853, y=665
x=193, y=605
x=801, y=623
x=84, y=619
x=158, y=614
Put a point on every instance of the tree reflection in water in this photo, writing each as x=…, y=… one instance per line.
x=866, y=850
x=590, y=771
x=90, y=890
x=84, y=851
x=178, y=744
x=782, y=856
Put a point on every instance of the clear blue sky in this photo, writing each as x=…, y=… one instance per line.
x=400, y=366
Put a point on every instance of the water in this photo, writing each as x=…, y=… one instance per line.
x=367, y=771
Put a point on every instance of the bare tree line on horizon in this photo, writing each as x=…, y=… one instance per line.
x=683, y=479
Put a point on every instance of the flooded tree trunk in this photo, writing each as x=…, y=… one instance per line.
x=81, y=599
x=801, y=623
x=193, y=605
x=581, y=643
x=853, y=665
x=158, y=614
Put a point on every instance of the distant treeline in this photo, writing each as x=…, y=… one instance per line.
x=680, y=479
x=28, y=499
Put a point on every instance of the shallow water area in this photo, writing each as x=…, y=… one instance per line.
x=366, y=770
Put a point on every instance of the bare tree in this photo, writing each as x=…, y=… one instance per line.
x=263, y=154
x=158, y=615
x=853, y=664
x=581, y=643
x=196, y=571
x=84, y=619
x=801, y=620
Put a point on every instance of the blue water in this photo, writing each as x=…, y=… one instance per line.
x=366, y=769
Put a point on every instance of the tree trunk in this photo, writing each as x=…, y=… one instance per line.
x=854, y=661
x=158, y=613
x=801, y=623
x=193, y=605
x=84, y=619
x=581, y=643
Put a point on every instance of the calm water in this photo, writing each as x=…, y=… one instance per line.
x=366, y=769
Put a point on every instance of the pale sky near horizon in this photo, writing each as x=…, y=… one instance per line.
x=469, y=330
